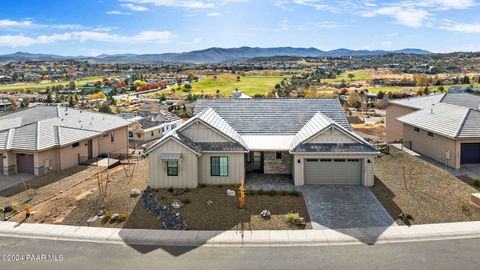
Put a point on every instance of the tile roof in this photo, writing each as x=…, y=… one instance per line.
x=442, y=118
x=284, y=120
x=419, y=102
x=464, y=100
x=43, y=127
x=272, y=116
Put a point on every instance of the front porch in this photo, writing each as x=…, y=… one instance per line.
x=266, y=182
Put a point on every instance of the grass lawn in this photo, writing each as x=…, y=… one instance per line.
x=40, y=86
x=227, y=83
x=429, y=194
x=344, y=76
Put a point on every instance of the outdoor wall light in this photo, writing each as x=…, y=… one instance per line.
x=299, y=161
x=369, y=161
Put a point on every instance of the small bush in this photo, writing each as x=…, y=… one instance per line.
x=186, y=190
x=250, y=192
x=464, y=206
x=107, y=216
x=121, y=218
x=186, y=201
x=272, y=193
x=292, y=217
x=283, y=193
x=409, y=216
x=294, y=193
x=15, y=206
x=476, y=182
x=261, y=192
x=220, y=186
x=170, y=189
x=202, y=185
x=162, y=198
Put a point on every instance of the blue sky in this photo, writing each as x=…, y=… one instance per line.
x=92, y=27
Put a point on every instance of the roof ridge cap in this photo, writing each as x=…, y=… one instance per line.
x=462, y=124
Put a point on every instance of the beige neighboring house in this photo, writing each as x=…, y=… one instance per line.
x=152, y=126
x=444, y=127
x=308, y=139
x=45, y=139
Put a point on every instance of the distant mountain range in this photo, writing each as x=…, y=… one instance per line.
x=211, y=55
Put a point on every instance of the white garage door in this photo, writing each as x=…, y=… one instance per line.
x=332, y=171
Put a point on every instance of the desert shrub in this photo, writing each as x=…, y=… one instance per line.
x=107, y=216
x=292, y=217
x=283, y=193
x=15, y=206
x=170, y=189
x=121, y=218
x=202, y=185
x=250, y=192
x=186, y=201
x=476, y=182
x=409, y=216
x=261, y=192
x=272, y=193
x=464, y=207
x=294, y=193
x=186, y=190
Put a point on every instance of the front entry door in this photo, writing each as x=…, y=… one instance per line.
x=90, y=149
x=258, y=162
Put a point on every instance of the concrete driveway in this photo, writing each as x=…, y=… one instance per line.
x=341, y=207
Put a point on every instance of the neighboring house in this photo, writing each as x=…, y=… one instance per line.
x=152, y=126
x=153, y=107
x=44, y=139
x=239, y=94
x=309, y=139
x=443, y=127
x=463, y=89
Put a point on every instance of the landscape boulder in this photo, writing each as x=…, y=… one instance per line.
x=230, y=193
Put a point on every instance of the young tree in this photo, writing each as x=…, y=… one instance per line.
x=351, y=76
x=49, y=98
x=105, y=108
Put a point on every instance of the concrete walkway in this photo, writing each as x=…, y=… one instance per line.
x=344, y=207
x=329, y=237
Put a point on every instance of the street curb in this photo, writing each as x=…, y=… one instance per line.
x=327, y=237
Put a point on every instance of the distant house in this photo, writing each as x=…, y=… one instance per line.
x=239, y=94
x=153, y=107
x=463, y=89
x=152, y=126
x=44, y=139
x=444, y=127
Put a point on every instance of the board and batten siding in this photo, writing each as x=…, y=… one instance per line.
x=236, y=169
x=331, y=136
x=199, y=132
x=187, y=171
x=367, y=167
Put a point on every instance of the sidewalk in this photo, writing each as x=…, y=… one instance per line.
x=325, y=237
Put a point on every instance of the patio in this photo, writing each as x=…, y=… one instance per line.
x=277, y=182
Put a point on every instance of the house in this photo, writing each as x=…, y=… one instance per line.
x=239, y=94
x=45, y=139
x=463, y=89
x=309, y=139
x=444, y=127
x=152, y=126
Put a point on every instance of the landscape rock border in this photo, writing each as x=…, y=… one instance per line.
x=171, y=220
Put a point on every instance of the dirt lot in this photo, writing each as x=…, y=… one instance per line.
x=373, y=132
x=428, y=194
x=224, y=214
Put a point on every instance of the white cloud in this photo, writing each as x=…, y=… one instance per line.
x=116, y=12
x=214, y=14
x=191, y=4
x=83, y=36
x=134, y=7
x=12, y=23
x=461, y=27
x=410, y=17
x=447, y=4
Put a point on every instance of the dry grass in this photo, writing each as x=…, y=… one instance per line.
x=429, y=194
x=224, y=213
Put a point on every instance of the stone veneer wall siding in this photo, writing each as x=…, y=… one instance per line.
x=272, y=165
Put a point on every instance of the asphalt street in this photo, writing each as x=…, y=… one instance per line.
x=49, y=254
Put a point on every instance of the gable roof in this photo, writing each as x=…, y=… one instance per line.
x=460, y=99
x=43, y=127
x=443, y=119
x=283, y=134
x=272, y=116
x=419, y=102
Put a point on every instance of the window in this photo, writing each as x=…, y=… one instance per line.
x=279, y=155
x=429, y=133
x=172, y=168
x=152, y=134
x=112, y=137
x=130, y=134
x=249, y=158
x=77, y=144
x=219, y=166
x=416, y=129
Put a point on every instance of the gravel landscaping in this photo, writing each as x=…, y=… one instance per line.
x=428, y=194
x=222, y=212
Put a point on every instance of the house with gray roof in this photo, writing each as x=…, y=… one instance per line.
x=147, y=127
x=226, y=139
x=44, y=139
x=444, y=127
